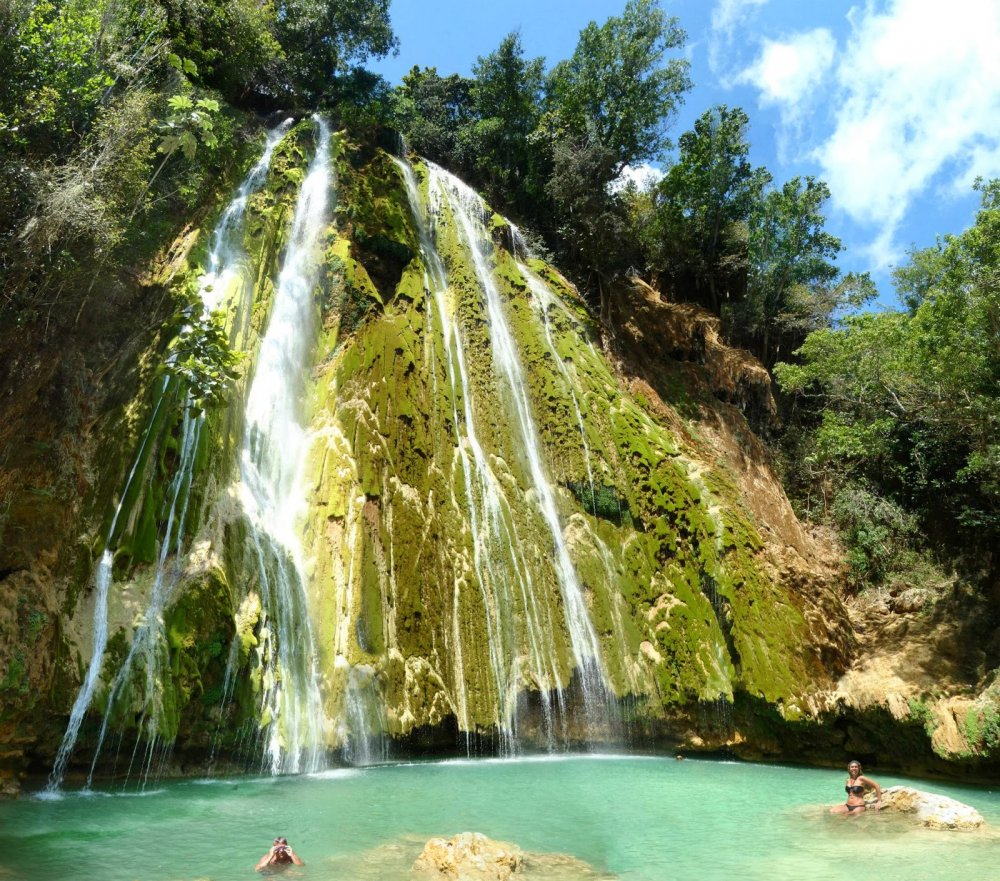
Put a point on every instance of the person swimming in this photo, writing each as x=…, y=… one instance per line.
x=856, y=786
x=279, y=857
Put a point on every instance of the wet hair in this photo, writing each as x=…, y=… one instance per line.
x=853, y=762
x=281, y=840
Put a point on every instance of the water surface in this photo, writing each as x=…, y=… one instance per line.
x=637, y=819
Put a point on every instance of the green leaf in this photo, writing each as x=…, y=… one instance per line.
x=169, y=144
x=188, y=144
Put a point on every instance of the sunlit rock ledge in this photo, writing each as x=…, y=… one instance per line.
x=931, y=810
x=471, y=856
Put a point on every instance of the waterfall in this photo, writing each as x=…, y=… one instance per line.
x=102, y=583
x=365, y=722
x=272, y=494
x=147, y=641
x=501, y=570
x=545, y=300
x=468, y=209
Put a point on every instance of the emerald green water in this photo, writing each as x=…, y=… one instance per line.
x=637, y=819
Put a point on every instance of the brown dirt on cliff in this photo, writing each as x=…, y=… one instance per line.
x=926, y=649
x=675, y=351
x=672, y=355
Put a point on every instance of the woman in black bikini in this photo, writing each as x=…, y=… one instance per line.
x=856, y=786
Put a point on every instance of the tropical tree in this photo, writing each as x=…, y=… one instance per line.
x=321, y=39
x=234, y=46
x=593, y=221
x=54, y=77
x=506, y=98
x=189, y=123
x=431, y=110
x=793, y=286
x=695, y=233
x=619, y=87
x=907, y=404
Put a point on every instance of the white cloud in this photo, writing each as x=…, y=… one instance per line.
x=914, y=99
x=727, y=16
x=786, y=73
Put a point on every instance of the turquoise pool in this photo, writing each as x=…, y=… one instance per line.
x=632, y=818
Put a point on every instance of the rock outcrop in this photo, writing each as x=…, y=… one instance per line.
x=931, y=810
x=469, y=856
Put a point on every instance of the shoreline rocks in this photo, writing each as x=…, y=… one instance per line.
x=931, y=810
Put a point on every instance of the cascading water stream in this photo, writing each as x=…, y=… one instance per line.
x=467, y=207
x=148, y=641
x=436, y=283
x=272, y=494
x=365, y=718
x=102, y=583
x=227, y=253
x=497, y=559
x=546, y=299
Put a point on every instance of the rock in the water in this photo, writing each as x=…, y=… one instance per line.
x=470, y=856
x=933, y=811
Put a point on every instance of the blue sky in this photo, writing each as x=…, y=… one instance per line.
x=894, y=103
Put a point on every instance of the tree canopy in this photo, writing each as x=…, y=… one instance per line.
x=906, y=404
x=619, y=87
x=695, y=231
x=93, y=90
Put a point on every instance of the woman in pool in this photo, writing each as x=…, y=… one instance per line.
x=278, y=858
x=856, y=786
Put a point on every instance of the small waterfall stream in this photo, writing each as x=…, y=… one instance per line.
x=226, y=254
x=149, y=641
x=546, y=300
x=497, y=559
x=271, y=489
x=468, y=209
x=102, y=583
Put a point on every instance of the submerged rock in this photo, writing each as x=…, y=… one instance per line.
x=470, y=855
x=931, y=810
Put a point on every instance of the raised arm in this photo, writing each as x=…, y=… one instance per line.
x=867, y=781
x=264, y=861
x=295, y=857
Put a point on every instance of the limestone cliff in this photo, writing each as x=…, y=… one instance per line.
x=513, y=532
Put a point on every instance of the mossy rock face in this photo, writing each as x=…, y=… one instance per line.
x=428, y=559
x=200, y=629
x=669, y=561
x=143, y=493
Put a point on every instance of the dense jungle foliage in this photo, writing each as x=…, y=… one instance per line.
x=896, y=419
x=114, y=115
